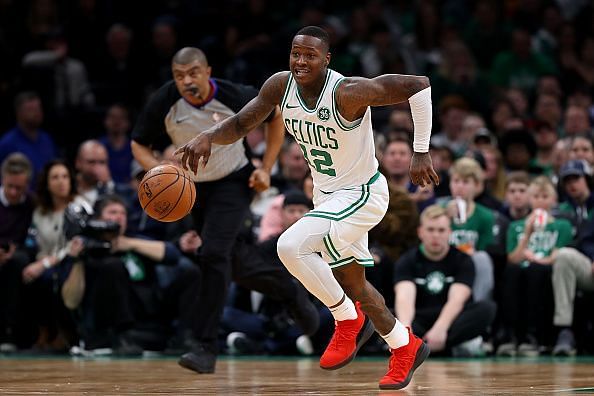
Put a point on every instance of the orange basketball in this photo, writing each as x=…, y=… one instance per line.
x=167, y=193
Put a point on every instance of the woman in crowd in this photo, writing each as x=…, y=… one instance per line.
x=46, y=239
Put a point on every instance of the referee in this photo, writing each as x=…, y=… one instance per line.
x=191, y=103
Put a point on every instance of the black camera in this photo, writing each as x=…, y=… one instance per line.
x=96, y=234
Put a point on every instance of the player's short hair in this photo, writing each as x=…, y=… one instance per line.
x=17, y=164
x=433, y=212
x=468, y=168
x=315, y=31
x=519, y=177
x=188, y=55
x=543, y=184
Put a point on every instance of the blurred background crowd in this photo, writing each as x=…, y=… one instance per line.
x=512, y=84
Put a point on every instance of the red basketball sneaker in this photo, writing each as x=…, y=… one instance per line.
x=349, y=336
x=403, y=363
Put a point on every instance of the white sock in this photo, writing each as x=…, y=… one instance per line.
x=397, y=337
x=345, y=311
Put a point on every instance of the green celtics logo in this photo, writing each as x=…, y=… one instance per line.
x=324, y=113
x=435, y=282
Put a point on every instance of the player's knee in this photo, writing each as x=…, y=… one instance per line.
x=286, y=248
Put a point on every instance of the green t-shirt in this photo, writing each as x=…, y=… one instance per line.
x=476, y=232
x=556, y=234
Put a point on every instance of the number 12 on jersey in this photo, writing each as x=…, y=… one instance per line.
x=322, y=161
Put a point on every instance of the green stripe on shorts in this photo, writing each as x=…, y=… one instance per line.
x=332, y=247
x=330, y=251
x=366, y=262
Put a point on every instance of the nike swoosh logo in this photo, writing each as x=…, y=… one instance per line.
x=288, y=106
x=180, y=120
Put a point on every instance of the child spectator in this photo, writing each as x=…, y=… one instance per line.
x=472, y=223
x=532, y=245
x=517, y=203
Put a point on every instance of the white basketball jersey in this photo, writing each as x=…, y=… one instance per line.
x=340, y=153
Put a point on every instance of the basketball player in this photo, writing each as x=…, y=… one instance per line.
x=329, y=116
x=193, y=102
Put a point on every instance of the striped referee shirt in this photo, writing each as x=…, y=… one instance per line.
x=169, y=118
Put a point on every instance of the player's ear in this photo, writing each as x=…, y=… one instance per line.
x=208, y=70
x=328, y=56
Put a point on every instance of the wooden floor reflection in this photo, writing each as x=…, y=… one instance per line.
x=19, y=376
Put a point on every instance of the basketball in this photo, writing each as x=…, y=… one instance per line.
x=166, y=193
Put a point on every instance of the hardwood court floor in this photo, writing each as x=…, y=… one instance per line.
x=274, y=376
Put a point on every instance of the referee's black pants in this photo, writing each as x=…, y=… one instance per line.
x=221, y=208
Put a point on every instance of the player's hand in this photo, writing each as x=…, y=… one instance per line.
x=436, y=338
x=421, y=170
x=260, y=180
x=196, y=149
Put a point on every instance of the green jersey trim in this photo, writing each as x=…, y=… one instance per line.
x=335, y=110
x=287, y=89
x=302, y=102
x=330, y=253
x=366, y=262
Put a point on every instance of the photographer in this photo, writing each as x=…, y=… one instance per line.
x=115, y=284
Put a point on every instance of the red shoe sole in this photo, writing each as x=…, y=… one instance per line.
x=421, y=355
x=367, y=331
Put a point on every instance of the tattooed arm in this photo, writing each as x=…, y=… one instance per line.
x=355, y=94
x=237, y=126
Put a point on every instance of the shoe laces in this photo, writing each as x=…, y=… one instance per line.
x=343, y=334
x=400, y=362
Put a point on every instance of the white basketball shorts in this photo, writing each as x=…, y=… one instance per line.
x=352, y=213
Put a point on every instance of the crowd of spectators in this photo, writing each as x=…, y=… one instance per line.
x=513, y=142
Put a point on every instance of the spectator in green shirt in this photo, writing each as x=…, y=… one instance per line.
x=472, y=229
x=527, y=302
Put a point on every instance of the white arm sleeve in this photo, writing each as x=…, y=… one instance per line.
x=422, y=115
